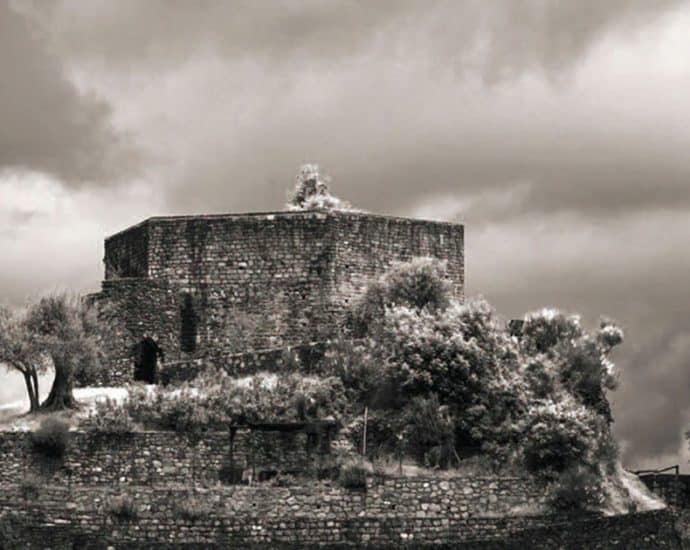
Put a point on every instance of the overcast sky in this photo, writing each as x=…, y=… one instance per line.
x=558, y=132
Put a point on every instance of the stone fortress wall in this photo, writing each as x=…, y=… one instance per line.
x=205, y=285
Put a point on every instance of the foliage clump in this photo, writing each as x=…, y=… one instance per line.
x=58, y=331
x=51, y=438
x=192, y=507
x=123, y=507
x=108, y=418
x=215, y=401
x=30, y=486
x=466, y=384
x=578, y=489
x=353, y=475
x=311, y=192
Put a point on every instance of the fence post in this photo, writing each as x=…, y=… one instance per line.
x=364, y=435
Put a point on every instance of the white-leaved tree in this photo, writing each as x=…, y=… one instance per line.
x=311, y=192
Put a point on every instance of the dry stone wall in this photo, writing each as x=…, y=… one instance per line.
x=316, y=516
x=127, y=253
x=175, y=494
x=304, y=358
x=165, y=457
x=674, y=489
x=134, y=308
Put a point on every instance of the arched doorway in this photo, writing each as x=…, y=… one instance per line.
x=146, y=360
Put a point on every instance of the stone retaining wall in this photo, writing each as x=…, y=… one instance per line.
x=390, y=514
x=165, y=457
x=305, y=358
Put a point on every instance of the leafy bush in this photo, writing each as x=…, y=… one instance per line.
x=30, y=486
x=311, y=192
x=421, y=283
x=357, y=364
x=108, y=418
x=51, y=438
x=430, y=432
x=353, y=476
x=560, y=352
x=464, y=357
x=536, y=398
x=192, y=507
x=578, y=488
x=216, y=401
x=558, y=436
x=122, y=507
x=384, y=429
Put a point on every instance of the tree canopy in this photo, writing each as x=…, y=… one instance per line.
x=19, y=351
x=311, y=192
x=58, y=331
x=537, y=396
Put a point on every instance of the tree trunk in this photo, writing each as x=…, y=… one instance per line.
x=60, y=396
x=34, y=378
x=33, y=394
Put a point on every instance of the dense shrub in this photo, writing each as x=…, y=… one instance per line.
x=193, y=507
x=30, y=486
x=535, y=398
x=109, y=418
x=123, y=507
x=421, y=283
x=51, y=438
x=353, y=476
x=578, y=488
x=560, y=352
x=558, y=436
x=215, y=401
x=384, y=432
x=464, y=357
x=358, y=365
x=429, y=432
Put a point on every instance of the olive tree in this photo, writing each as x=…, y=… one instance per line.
x=65, y=330
x=19, y=352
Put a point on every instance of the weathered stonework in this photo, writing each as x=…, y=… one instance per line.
x=304, y=358
x=165, y=475
x=410, y=513
x=208, y=285
x=169, y=457
x=674, y=489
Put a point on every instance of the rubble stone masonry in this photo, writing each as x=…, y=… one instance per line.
x=222, y=284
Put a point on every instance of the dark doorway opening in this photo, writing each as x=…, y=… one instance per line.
x=146, y=360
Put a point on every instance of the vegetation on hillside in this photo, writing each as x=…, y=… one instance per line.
x=216, y=401
x=441, y=380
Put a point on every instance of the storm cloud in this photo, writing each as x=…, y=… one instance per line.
x=45, y=122
x=557, y=132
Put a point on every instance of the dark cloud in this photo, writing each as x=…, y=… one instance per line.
x=501, y=39
x=46, y=124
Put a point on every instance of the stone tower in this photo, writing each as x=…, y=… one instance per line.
x=199, y=286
